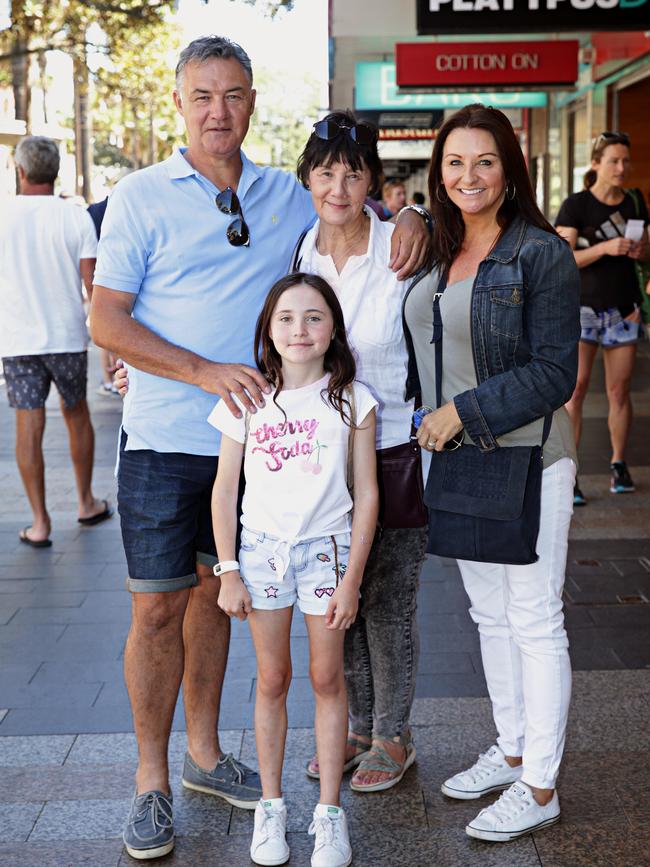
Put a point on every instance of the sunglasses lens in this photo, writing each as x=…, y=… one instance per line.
x=326, y=130
x=362, y=134
x=227, y=202
x=238, y=234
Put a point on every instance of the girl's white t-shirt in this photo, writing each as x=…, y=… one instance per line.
x=296, y=468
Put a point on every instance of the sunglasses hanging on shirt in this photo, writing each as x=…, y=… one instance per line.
x=237, y=232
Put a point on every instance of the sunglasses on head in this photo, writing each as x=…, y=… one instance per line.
x=359, y=133
x=621, y=137
x=237, y=232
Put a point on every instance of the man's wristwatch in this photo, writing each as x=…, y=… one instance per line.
x=426, y=216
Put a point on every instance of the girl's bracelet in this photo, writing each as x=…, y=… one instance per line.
x=225, y=566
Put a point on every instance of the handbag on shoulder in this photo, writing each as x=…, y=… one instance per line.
x=400, y=481
x=483, y=506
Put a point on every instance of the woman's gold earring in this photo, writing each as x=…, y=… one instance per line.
x=446, y=198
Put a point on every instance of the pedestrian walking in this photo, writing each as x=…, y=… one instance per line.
x=504, y=327
x=48, y=250
x=300, y=542
x=594, y=221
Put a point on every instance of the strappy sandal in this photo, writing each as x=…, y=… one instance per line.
x=312, y=765
x=378, y=759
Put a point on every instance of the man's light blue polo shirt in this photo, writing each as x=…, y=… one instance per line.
x=164, y=240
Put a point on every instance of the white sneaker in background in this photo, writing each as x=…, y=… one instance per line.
x=332, y=844
x=269, y=844
x=490, y=773
x=515, y=813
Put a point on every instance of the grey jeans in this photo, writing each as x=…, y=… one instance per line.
x=382, y=647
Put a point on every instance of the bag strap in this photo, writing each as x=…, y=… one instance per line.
x=634, y=193
x=296, y=261
x=436, y=339
x=353, y=426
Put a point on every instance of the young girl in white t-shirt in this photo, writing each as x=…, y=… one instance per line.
x=300, y=542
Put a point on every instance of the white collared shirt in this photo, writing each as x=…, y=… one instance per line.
x=371, y=298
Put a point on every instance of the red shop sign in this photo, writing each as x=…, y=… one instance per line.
x=486, y=64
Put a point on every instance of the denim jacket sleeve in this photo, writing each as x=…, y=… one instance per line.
x=543, y=375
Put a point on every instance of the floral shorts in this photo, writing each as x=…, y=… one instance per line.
x=608, y=328
x=29, y=378
x=279, y=574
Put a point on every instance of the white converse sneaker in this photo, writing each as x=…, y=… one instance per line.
x=332, y=845
x=269, y=844
x=515, y=813
x=490, y=773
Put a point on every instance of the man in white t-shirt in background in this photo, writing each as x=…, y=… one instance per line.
x=47, y=247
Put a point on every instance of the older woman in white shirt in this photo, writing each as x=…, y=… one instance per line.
x=350, y=247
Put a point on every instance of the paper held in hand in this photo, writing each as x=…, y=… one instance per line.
x=634, y=230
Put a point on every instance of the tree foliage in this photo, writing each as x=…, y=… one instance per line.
x=280, y=127
x=135, y=120
x=269, y=7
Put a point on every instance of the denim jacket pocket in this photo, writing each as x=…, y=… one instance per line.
x=506, y=310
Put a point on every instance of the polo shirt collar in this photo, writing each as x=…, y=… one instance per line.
x=178, y=167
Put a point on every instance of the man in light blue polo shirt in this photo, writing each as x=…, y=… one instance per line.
x=189, y=250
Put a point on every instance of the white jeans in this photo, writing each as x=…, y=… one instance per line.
x=524, y=645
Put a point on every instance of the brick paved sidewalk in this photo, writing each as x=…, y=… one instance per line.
x=67, y=755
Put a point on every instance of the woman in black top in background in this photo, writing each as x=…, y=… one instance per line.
x=594, y=221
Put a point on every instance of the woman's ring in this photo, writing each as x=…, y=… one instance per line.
x=431, y=444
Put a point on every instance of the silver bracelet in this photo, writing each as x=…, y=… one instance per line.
x=426, y=216
x=225, y=566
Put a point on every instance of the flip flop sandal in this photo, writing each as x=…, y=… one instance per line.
x=98, y=518
x=377, y=759
x=34, y=543
x=311, y=771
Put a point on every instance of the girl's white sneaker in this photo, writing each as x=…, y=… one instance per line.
x=515, y=813
x=269, y=845
x=332, y=844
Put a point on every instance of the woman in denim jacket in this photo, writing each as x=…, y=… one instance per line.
x=511, y=326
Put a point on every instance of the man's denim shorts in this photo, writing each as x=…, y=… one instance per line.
x=164, y=503
x=608, y=328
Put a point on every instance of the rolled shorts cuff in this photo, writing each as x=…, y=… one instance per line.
x=311, y=609
x=161, y=585
x=206, y=559
x=282, y=603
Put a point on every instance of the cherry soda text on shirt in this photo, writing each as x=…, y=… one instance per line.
x=281, y=452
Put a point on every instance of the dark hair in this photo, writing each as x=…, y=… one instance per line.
x=418, y=198
x=319, y=152
x=602, y=142
x=338, y=361
x=449, y=231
